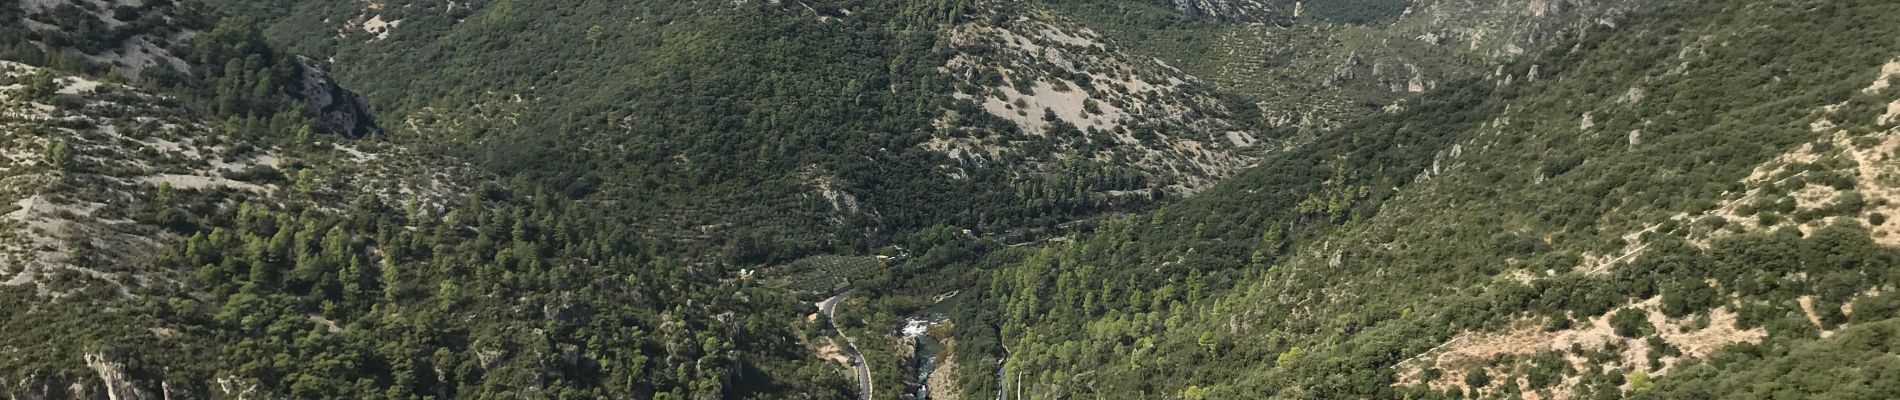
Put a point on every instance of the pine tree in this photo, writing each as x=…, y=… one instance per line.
x=42, y=85
x=58, y=155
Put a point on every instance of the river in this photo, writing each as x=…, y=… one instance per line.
x=927, y=346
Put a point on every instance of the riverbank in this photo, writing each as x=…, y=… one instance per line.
x=941, y=383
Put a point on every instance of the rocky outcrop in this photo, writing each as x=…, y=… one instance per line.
x=337, y=110
x=113, y=384
x=112, y=377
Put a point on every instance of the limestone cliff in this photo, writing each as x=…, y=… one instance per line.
x=337, y=110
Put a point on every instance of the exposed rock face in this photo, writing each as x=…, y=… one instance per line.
x=336, y=109
x=114, y=384
x=112, y=376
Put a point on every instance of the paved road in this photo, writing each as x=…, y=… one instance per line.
x=829, y=307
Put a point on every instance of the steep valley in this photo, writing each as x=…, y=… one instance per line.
x=950, y=199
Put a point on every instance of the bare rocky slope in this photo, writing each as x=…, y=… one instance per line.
x=1070, y=97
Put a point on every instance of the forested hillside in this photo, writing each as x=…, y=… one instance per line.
x=777, y=130
x=1199, y=199
x=1662, y=208
x=1316, y=65
x=202, y=230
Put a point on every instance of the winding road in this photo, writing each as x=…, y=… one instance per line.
x=828, y=307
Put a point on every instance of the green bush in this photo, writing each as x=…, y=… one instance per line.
x=1631, y=323
x=1476, y=377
